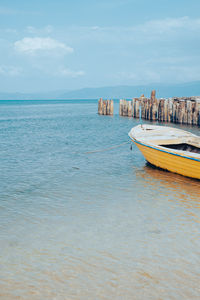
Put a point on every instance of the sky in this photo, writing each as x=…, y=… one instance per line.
x=65, y=45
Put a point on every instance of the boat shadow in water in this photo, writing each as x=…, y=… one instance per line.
x=182, y=189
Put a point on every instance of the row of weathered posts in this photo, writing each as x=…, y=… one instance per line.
x=184, y=110
x=105, y=107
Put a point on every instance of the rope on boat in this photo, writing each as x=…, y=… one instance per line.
x=107, y=149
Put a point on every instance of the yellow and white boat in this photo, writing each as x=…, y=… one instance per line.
x=169, y=148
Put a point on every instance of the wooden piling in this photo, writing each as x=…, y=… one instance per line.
x=199, y=112
x=184, y=120
x=130, y=110
x=181, y=111
x=105, y=107
x=170, y=108
x=189, y=112
x=100, y=106
x=165, y=116
x=143, y=105
x=133, y=106
x=195, y=113
x=111, y=107
x=121, y=107
x=161, y=110
x=125, y=108
x=154, y=108
x=153, y=95
x=136, y=108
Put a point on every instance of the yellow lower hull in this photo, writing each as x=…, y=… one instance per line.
x=170, y=162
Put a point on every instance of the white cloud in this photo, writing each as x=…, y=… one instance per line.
x=70, y=73
x=173, y=23
x=33, y=45
x=38, y=31
x=95, y=27
x=151, y=31
x=7, y=11
x=142, y=76
x=30, y=29
x=166, y=28
x=10, y=70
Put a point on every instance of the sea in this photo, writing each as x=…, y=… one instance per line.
x=82, y=216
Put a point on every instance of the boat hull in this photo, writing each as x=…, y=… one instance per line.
x=172, y=162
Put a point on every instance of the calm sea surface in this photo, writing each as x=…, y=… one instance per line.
x=76, y=225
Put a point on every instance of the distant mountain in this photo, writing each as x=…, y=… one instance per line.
x=32, y=96
x=114, y=92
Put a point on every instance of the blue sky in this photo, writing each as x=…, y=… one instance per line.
x=52, y=45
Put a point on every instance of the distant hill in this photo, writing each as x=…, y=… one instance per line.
x=32, y=96
x=115, y=92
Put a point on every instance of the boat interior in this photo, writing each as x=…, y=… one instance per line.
x=183, y=147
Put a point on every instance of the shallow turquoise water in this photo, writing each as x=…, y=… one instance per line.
x=103, y=225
